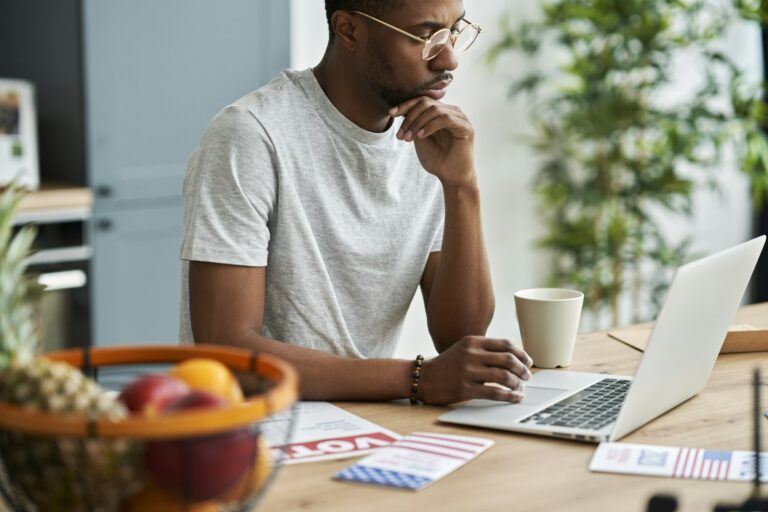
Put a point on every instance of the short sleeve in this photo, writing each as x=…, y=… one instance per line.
x=437, y=245
x=230, y=192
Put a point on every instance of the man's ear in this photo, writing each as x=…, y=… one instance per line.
x=347, y=28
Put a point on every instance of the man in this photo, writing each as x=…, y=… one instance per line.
x=316, y=206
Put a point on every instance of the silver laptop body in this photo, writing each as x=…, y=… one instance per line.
x=678, y=360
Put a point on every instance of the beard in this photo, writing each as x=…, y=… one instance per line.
x=381, y=75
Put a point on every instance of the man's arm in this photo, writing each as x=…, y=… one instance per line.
x=227, y=307
x=456, y=282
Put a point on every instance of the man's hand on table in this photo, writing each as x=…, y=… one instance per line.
x=460, y=373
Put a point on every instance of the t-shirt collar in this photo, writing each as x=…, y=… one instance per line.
x=338, y=120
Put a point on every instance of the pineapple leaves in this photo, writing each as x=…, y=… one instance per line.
x=19, y=293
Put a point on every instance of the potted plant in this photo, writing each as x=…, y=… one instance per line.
x=616, y=154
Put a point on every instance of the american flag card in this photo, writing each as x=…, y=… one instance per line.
x=677, y=462
x=415, y=461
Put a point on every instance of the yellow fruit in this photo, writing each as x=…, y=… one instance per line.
x=255, y=479
x=154, y=499
x=209, y=375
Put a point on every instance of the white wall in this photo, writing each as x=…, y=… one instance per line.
x=506, y=165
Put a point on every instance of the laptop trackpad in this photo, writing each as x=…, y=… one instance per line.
x=535, y=396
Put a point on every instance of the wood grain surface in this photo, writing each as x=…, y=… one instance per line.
x=530, y=473
x=56, y=196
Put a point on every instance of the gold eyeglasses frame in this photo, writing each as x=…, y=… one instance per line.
x=427, y=40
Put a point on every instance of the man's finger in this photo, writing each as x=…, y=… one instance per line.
x=504, y=345
x=498, y=376
x=407, y=105
x=416, y=121
x=508, y=361
x=442, y=122
x=414, y=114
x=497, y=393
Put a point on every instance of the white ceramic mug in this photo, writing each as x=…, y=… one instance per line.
x=549, y=322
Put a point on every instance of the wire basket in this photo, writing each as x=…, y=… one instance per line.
x=200, y=460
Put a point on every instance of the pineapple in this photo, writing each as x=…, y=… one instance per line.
x=50, y=473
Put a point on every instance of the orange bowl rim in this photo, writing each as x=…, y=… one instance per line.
x=182, y=424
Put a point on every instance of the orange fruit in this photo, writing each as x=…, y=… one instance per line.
x=255, y=479
x=209, y=375
x=154, y=499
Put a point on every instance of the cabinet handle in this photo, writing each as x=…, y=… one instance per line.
x=63, y=280
x=104, y=225
x=103, y=191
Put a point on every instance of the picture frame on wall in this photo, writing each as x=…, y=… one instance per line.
x=18, y=134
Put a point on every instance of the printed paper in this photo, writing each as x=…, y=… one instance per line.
x=415, y=461
x=323, y=431
x=677, y=462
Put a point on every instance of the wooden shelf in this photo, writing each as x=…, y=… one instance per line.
x=55, y=202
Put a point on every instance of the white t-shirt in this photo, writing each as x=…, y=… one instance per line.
x=344, y=219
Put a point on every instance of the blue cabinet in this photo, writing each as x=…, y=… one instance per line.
x=136, y=274
x=155, y=73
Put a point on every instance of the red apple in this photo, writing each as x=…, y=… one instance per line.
x=201, y=468
x=195, y=399
x=152, y=393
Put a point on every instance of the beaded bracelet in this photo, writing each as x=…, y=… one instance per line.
x=416, y=377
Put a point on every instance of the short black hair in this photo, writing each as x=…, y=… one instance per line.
x=372, y=7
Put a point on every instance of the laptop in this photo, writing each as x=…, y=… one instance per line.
x=678, y=360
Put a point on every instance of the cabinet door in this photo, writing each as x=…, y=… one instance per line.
x=136, y=275
x=157, y=72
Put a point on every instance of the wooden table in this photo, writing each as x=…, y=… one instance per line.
x=523, y=473
x=530, y=473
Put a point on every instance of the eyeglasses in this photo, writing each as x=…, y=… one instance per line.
x=460, y=40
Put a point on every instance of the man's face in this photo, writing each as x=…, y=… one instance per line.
x=393, y=65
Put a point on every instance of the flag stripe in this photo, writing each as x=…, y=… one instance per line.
x=691, y=462
x=420, y=449
x=681, y=471
x=707, y=471
x=454, y=439
x=724, y=471
x=436, y=449
x=677, y=461
x=444, y=444
x=688, y=458
x=697, y=464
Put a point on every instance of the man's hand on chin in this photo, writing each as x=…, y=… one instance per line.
x=443, y=136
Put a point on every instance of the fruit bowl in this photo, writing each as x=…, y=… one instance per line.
x=197, y=460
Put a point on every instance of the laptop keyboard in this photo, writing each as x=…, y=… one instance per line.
x=591, y=408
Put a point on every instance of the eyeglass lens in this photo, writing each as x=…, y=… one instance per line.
x=465, y=38
x=463, y=41
x=436, y=43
